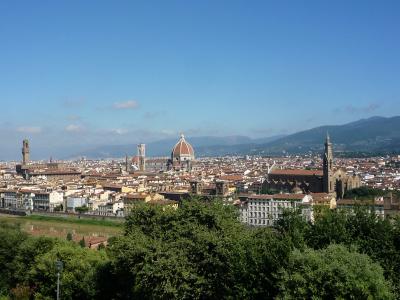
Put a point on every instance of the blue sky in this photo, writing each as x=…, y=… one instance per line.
x=82, y=73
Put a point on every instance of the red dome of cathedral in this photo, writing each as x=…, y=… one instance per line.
x=182, y=150
x=135, y=160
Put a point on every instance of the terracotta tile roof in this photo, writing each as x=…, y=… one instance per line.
x=297, y=172
x=289, y=196
x=231, y=177
x=278, y=197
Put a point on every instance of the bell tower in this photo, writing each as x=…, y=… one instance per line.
x=25, y=152
x=328, y=166
x=141, y=150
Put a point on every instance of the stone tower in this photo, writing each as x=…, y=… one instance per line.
x=328, y=166
x=221, y=188
x=142, y=156
x=25, y=152
x=126, y=163
x=196, y=187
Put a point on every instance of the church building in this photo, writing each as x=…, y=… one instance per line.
x=328, y=180
x=182, y=156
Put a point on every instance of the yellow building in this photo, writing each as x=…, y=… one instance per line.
x=132, y=199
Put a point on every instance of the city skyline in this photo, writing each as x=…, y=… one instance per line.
x=199, y=149
x=105, y=74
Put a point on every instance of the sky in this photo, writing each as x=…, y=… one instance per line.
x=76, y=74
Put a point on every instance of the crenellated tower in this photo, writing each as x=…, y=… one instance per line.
x=25, y=152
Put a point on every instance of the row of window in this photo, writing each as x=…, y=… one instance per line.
x=261, y=222
x=283, y=204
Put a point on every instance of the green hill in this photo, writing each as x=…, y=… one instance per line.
x=376, y=134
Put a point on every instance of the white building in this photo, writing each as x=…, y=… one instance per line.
x=11, y=199
x=47, y=201
x=17, y=199
x=111, y=209
x=265, y=210
x=74, y=202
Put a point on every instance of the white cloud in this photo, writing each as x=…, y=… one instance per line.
x=29, y=129
x=131, y=104
x=120, y=131
x=74, y=128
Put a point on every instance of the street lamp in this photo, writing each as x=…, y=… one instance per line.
x=59, y=267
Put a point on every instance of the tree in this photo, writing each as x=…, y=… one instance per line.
x=329, y=227
x=29, y=250
x=332, y=273
x=378, y=238
x=293, y=227
x=266, y=252
x=11, y=237
x=101, y=247
x=364, y=193
x=197, y=251
x=78, y=276
x=82, y=209
x=82, y=242
x=69, y=236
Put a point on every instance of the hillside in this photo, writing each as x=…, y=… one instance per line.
x=376, y=134
x=204, y=146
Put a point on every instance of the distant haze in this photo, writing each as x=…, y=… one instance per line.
x=375, y=134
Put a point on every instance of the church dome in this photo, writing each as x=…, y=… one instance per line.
x=135, y=160
x=182, y=150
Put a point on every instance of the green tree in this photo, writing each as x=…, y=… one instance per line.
x=82, y=209
x=29, y=250
x=78, y=275
x=329, y=227
x=11, y=237
x=184, y=253
x=332, y=273
x=364, y=193
x=101, y=247
x=266, y=252
x=69, y=236
x=378, y=238
x=293, y=227
x=82, y=242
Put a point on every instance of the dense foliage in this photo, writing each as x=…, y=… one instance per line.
x=202, y=251
x=364, y=193
x=333, y=272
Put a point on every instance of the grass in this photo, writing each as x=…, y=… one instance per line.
x=74, y=220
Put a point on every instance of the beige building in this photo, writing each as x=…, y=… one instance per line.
x=133, y=199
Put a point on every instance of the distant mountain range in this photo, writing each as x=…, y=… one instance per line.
x=203, y=145
x=375, y=134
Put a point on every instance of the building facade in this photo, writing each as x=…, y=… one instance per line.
x=265, y=210
x=327, y=180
